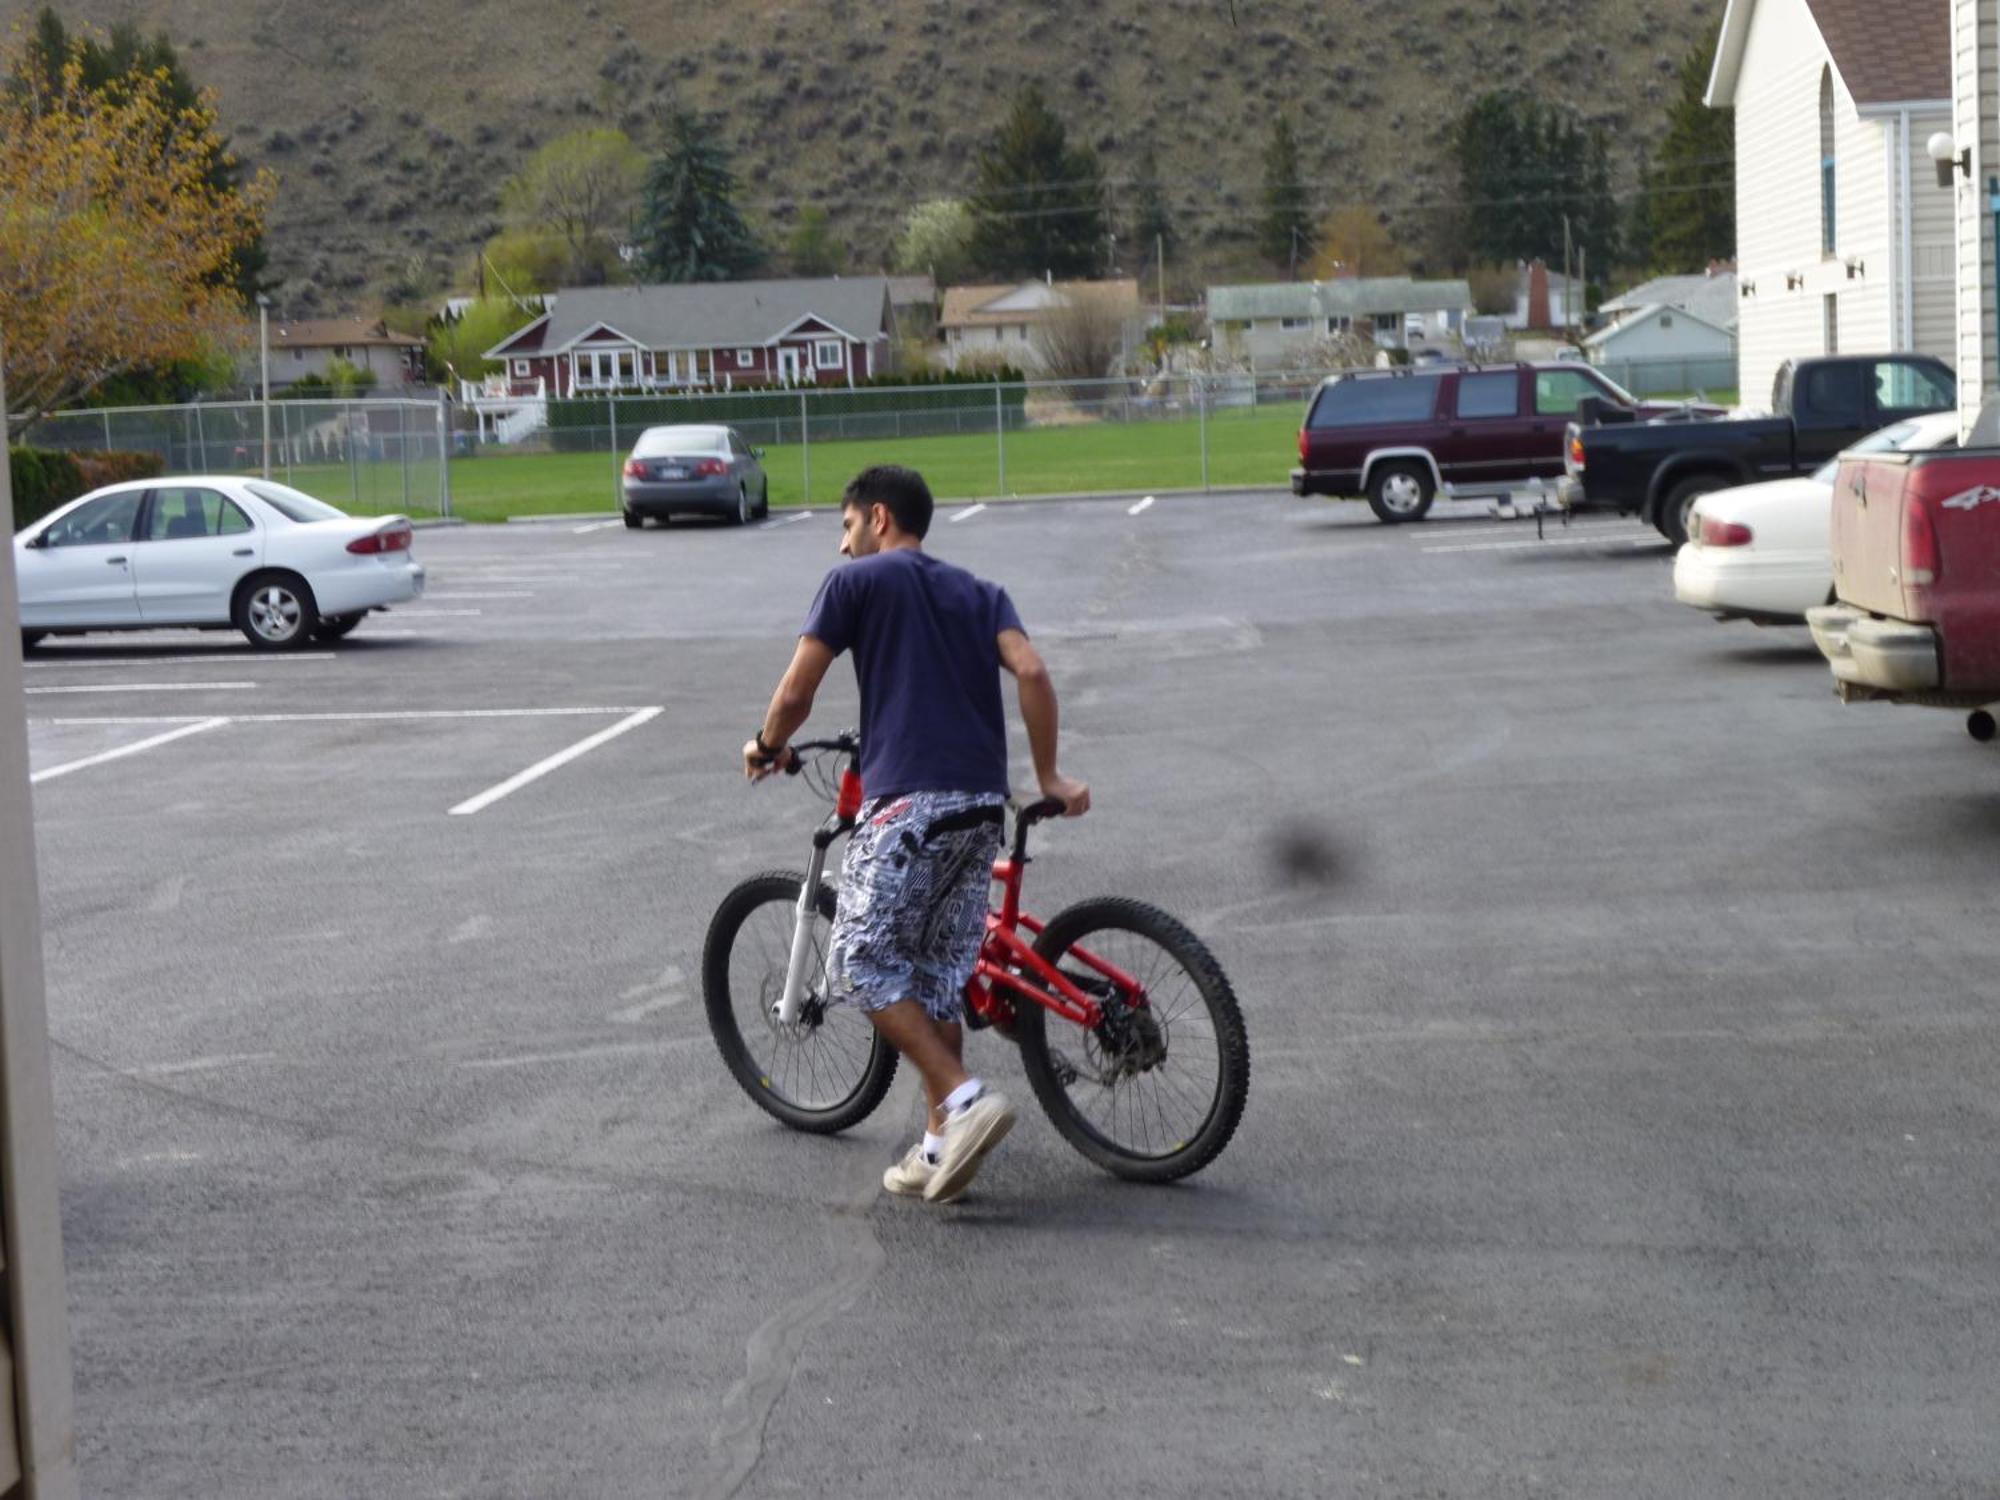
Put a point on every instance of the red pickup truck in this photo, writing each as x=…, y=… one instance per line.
x=1916, y=573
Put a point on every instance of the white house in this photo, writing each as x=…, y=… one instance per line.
x=1269, y=322
x=1972, y=150
x=1670, y=334
x=996, y=324
x=1843, y=239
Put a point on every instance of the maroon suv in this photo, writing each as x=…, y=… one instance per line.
x=1400, y=436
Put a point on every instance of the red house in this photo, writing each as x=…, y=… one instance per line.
x=711, y=335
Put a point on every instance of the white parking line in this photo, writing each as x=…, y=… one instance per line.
x=483, y=594
x=593, y=526
x=124, y=750
x=1554, y=541
x=434, y=614
x=777, y=521
x=213, y=657
x=561, y=758
x=144, y=687
x=360, y=716
x=1141, y=508
x=965, y=512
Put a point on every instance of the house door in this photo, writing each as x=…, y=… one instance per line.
x=791, y=366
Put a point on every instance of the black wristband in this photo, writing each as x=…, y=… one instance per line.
x=763, y=749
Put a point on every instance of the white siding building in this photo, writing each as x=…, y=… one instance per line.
x=1975, y=131
x=1843, y=239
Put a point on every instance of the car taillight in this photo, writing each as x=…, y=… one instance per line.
x=395, y=539
x=1716, y=533
x=711, y=467
x=1921, y=560
x=1304, y=446
x=1576, y=452
x=634, y=469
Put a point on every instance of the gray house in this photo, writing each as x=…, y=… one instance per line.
x=1273, y=321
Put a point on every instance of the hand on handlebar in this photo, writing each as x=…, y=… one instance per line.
x=1072, y=794
x=757, y=765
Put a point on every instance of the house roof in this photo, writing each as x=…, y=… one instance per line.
x=1641, y=316
x=1712, y=299
x=710, y=314
x=1025, y=301
x=1356, y=297
x=912, y=291
x=338, y=333
x=1885, y=54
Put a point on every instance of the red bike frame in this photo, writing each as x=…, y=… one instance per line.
x=1007, y=964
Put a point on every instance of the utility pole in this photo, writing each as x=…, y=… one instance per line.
x=1295, y=252
x=1160, y=252
x=264, y=366
x=1566, y=271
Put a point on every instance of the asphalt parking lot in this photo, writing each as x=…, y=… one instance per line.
x=1621, y=1011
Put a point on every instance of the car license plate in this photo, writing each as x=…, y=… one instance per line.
x=672, y=471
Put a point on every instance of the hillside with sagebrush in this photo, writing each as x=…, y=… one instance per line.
x=392, y=126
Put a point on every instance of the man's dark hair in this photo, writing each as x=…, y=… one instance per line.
x=902, y=490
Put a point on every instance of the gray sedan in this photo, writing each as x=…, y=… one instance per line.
x=707, y=471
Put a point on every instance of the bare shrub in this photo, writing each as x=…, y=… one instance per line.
x=1080, y=337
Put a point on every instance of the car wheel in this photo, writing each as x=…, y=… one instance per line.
x=31, y=638
x=742, y=505
x=333, y=627
x=764, y=501
x=632, y=522
x=1401, y=492
x=275, y=611
x=1672, y=518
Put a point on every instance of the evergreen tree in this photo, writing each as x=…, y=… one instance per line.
x=1152, y=225
x=1690, y=203
x=114, y=63
x=689, y=228
x=1525, y=167
x=1038, y=203
x=812, y=249
x=1284, y=234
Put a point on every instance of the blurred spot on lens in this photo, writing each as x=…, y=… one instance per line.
x=1304, y=854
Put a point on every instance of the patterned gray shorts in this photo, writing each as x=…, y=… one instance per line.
x=913, y=901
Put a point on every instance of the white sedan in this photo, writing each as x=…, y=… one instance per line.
x=210, y=551
x=1764, y=552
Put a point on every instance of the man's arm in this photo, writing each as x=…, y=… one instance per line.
x=1039, y=713
x=790, y=705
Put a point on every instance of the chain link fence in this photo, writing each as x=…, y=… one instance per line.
x=1672, y=377
x=370, y=457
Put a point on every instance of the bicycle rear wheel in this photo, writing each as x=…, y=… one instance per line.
x=1156, y=1091
x=826, y=1071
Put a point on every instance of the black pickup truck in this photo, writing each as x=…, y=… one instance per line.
x=1658, y=469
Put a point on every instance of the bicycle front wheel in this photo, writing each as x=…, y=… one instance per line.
x=827, y=1070
x=1156, y=1090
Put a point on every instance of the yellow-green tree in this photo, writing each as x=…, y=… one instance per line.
x=1355, y=242
x=579, y=188
x=116, y=244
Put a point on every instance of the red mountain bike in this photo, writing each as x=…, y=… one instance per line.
x=1146, y=1075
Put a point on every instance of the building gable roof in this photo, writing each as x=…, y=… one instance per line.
x=1885, y=54
x=1025, y=301
x=338, y=333
x=1647, y=314
x=1357, y=297
x=711, y=314
x=1713, y=299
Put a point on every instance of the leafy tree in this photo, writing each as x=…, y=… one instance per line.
x=1038, y=202
x=1355, y=242
x=349, y=379
x=579, y=188
x=1284, y=234
x=522, y=263
x=1152, y=224
x=116, y=252
x=1523, y=166
x=937, y=239
x=689, y=227
x=812, y=249
x=461, y=341
x=117, y=61
x=1687, y=205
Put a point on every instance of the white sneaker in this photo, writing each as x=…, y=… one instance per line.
x=909, y=1177
x=969, y=1134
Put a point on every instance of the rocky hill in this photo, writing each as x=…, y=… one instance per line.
x=392, y=125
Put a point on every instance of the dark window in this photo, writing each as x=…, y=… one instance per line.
x=1375, y=402
x=107, y=520
x=293, y=505
x=181, y=514
x=1829, y=224
x=1906, y=387
x=1489, y=395
x=1558, y=393
x=1831, y=388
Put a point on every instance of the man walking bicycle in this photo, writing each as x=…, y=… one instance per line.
x=929, y=642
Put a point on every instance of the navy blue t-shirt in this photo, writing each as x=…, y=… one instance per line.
x=925, y=638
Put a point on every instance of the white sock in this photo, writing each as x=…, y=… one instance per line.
x=963, y=1095
x=933, y=1147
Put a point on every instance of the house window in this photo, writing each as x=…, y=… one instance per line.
x=1389, y=323
x=298, y=354
x=1339, y=325
x=826, y=354
x=1830, y=319
x=521, y=368
x=746, y=357
x=1294, y=325
x=1828, y=220
x=1666, y=320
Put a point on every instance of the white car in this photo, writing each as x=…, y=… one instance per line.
x=1764, y=552
x=210, y=551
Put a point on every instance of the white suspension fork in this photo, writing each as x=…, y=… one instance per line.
x=798, y=976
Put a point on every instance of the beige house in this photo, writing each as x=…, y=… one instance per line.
x=1844, y=242
x=996, y=324
x=309, y=346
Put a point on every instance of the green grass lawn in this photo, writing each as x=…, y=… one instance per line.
x=1246, y=447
